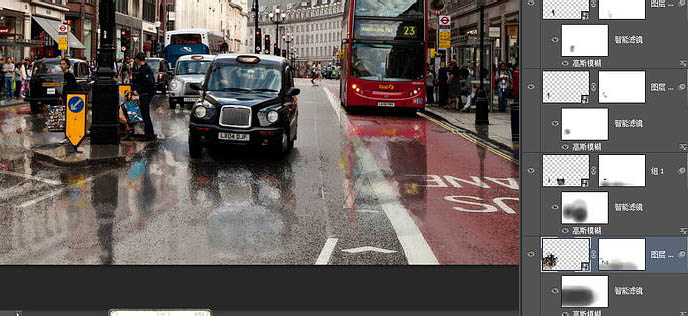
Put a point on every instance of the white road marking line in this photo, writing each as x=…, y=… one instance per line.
x=40, y=198
x=326, y=252
x=369, y=248
x=368, y=211
x=56, y=192
x=30, y=177
x=334, y=104
x=410, y=237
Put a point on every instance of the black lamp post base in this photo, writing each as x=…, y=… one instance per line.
x=481, y=116
x=105, y=134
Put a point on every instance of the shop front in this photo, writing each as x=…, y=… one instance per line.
x=466, y=51
x=46, y=30
x=148, y=38
x=12, y=40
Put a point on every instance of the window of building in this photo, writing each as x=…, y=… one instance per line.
x=149, y=10
x=122, y=6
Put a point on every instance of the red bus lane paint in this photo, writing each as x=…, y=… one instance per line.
x=463, y=198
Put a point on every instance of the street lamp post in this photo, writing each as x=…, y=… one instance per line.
x=481, y=115
x=258, y=36
x=277, y=17
x=105, y=125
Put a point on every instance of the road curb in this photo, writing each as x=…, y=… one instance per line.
x=496, y=143
x=115, y=160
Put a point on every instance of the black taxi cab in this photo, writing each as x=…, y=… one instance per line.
x=245, y=100
x=47, y=81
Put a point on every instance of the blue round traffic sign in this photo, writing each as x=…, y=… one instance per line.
x=75, y=104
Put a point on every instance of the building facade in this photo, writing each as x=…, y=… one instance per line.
x=226, y=17
x=501, y=30
x=315, y=26
x=83, y=20
x=141, y=25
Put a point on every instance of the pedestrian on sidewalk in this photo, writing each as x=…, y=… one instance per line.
x=504, y=80
x=144, y=87
x=70, y=83
x=2, y=82
x=19, y=78
x=454, y=86
x=8, y=69
x=430, y=85
x=443, y=83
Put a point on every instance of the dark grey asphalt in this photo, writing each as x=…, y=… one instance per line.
x=230, y=207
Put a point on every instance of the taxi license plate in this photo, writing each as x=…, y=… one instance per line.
x=189, y=99
x=234, y=137
x=50, y=91
x=386, y=104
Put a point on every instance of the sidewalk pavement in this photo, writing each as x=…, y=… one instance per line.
x=12, y=102
x=498, y=132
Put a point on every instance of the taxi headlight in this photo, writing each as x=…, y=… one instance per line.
x=273, y=116
x=200, y=112
x=174, y=85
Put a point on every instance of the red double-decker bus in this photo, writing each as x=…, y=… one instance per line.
x=383, y=54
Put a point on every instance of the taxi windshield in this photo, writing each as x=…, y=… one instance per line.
x=49, y=67
x=192, y=67
x=245, y=77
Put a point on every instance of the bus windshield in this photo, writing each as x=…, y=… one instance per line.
x=387, y=62
x=389, y=8
x=185, y=39
x=192, y=67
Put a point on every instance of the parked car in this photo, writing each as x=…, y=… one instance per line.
x=162, y=73
x=189, y=69
x=246, y=100
x=47, y=80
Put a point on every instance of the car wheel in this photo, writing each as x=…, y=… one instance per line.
x=35, y=107
x=195, y=148
x=283, y=148
x=172, y=105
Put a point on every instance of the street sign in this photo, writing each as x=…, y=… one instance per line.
x=75, y=124
x=124, y=48
x=62, y=28
x=445, y=20
x=444, y=38
x=63, y=43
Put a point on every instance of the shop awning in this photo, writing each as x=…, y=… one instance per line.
x=50, y=27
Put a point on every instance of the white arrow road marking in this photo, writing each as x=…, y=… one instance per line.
x=326, y=252
x=368, y=248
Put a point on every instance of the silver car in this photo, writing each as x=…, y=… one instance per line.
x=189, y=69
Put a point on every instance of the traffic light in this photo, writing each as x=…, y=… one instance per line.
x=267, y=44
x=258, y=41
x=125, y=40
x=275, y=49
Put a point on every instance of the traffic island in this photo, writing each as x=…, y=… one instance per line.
x=89, y=155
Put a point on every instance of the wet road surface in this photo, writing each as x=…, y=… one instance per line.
x=367, y=188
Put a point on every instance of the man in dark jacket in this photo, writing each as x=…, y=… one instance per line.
x=70, y=84
x=144, y=87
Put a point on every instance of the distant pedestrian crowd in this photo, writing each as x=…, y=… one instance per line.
x=456, y=87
